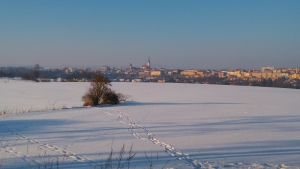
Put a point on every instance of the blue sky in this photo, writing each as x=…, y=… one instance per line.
x=182, y=34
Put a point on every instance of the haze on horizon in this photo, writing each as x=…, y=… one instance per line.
x=182, y=34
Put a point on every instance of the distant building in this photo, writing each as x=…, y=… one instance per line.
x=268, y=69
x=104, y=68
x=136, y=80
x=161, y=80
x=283, y=70
x=222, y=74
x=199, y=72
x=144, y=73
x=295, y=76
x=176, y=71
x=170, y=73
x=188, y=73
x=147, y=66
x=237, y=73
x=156, y=73
x=269, y=73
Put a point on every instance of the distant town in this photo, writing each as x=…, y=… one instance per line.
x=268, y=76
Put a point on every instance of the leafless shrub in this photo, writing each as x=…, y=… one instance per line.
x=100, y=93
x=122, y=97
x=110, y=97
x=99, y=85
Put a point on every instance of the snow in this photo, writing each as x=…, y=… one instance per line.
x=183, y=125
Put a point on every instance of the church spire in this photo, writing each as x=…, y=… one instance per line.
x=148, y=64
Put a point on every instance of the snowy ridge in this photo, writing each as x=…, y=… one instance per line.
x=137, y=131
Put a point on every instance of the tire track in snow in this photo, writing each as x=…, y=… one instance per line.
x=64, y=152
x=134, y=127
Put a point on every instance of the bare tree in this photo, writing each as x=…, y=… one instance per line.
x=98, y=87
x=110, y=97
x=36, y=71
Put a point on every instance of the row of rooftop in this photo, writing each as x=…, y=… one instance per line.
x=264, y=73
x=145, y=70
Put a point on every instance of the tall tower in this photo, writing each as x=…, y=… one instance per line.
x=148, y=64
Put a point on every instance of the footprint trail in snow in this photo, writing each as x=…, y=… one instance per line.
x=11, y=150
x=137, y=131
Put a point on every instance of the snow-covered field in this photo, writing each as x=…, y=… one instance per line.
x=183, y=125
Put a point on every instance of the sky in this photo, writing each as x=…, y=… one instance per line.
x=194, y=34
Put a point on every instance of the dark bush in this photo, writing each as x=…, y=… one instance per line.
x=99, y=85
x=100, y=93
x=110, y=97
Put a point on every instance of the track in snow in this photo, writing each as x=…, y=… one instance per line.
x=64, y=152
x=138, y=131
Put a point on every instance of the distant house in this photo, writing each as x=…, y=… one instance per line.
x=161, y=81
x=237, y=73
x=144, y=73
x=44, y=80
x=136, y=80
x=268, y=69
x=222, y=74
x=192, y=73
x=188, y=73
x=295, y=76
x=156, y=73
x=147, y=66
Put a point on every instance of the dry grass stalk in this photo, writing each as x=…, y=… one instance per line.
x=31, y=109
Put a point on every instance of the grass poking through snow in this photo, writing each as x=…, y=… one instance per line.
x=32, y=109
